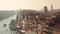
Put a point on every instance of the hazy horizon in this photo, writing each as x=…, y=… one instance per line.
x=28, y=4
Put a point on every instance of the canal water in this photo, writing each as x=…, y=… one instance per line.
x=5, y=30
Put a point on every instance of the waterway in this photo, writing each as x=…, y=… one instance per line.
x=6, y=30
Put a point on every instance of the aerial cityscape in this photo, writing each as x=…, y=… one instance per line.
x=40, y=22
x=29, y=17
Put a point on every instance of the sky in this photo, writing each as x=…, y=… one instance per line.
x=28, y=4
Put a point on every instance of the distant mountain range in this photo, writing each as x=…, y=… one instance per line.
x=5, y=14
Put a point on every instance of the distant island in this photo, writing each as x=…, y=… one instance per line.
x=5, y=14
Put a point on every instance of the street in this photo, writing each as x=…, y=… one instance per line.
x=30, y=32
